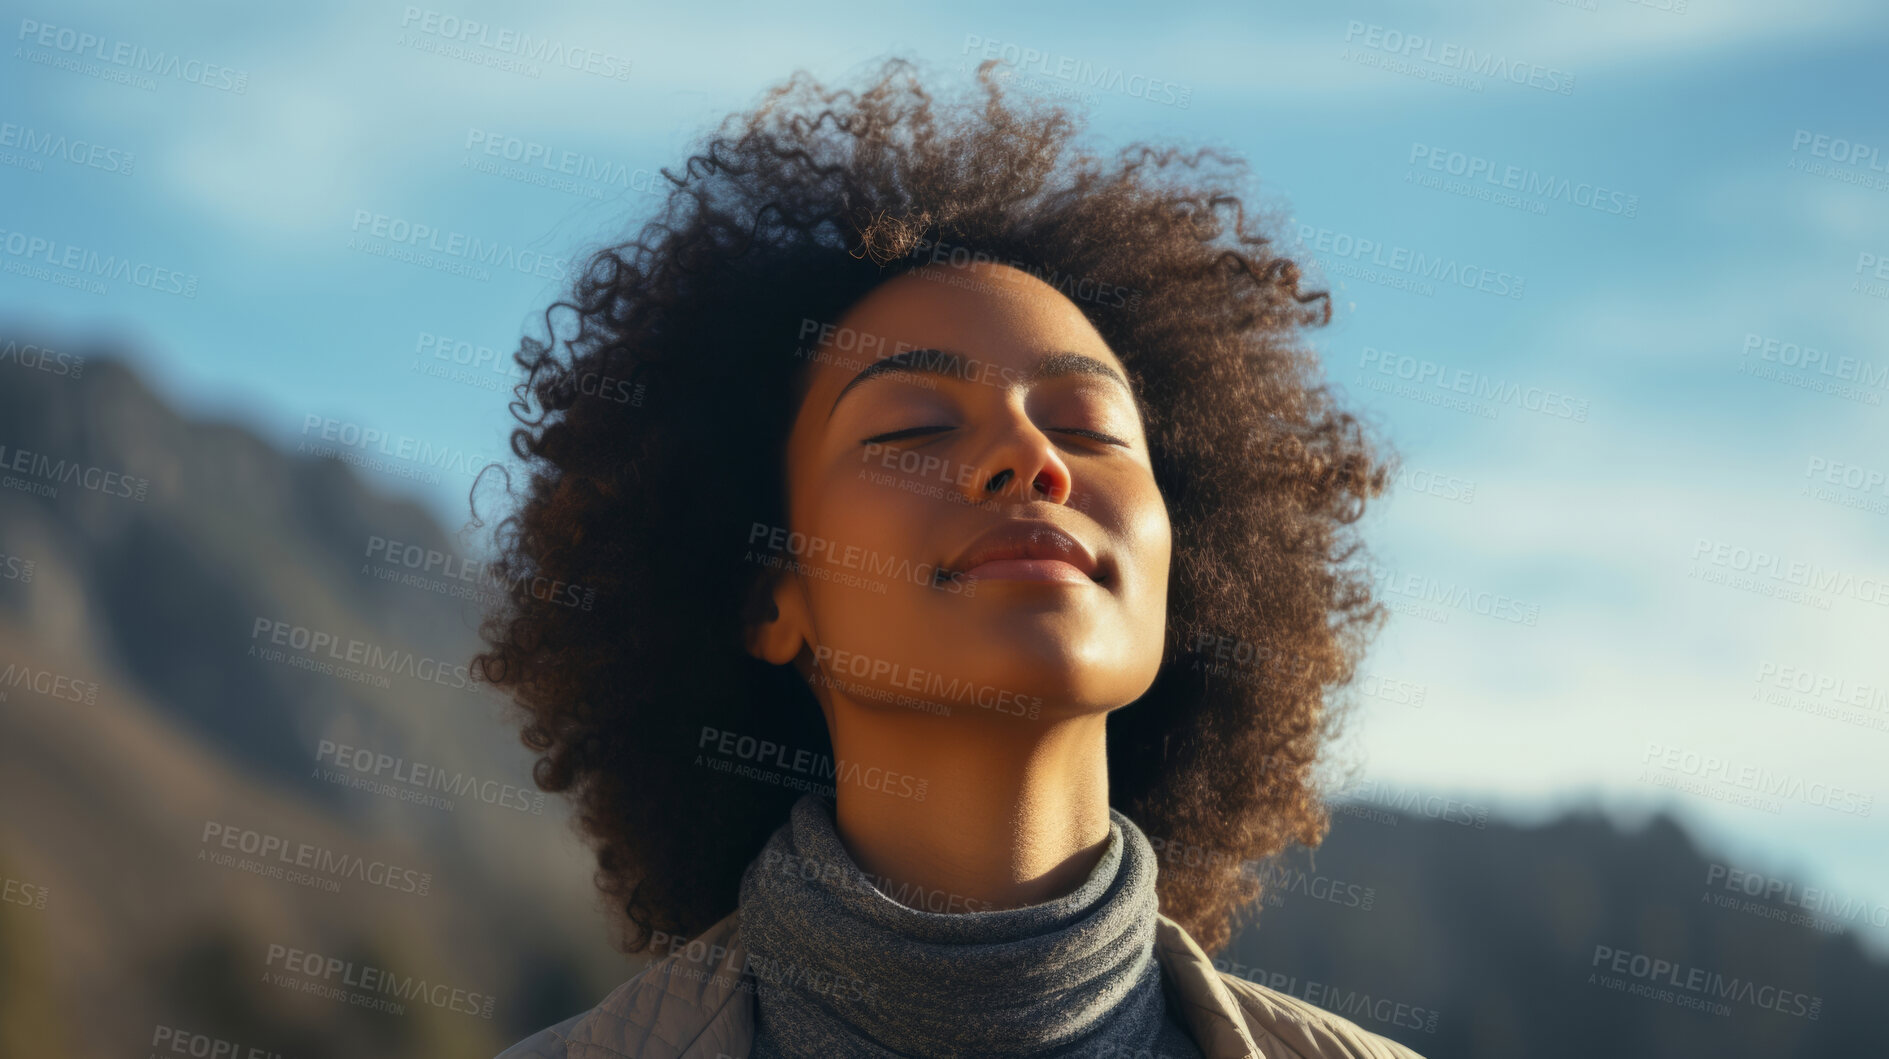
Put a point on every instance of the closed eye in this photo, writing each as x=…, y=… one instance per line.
x=896, y=435
x=900, y=434
x=1097, y=435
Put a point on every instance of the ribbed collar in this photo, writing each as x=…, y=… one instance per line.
x=844, y=970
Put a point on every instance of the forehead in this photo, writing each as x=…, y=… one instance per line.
x=991, y=312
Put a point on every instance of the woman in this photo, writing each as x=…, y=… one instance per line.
x=963, y=528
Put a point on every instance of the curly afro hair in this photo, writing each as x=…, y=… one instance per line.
x=652, y=433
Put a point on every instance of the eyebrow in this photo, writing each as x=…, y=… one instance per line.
x=950, y=365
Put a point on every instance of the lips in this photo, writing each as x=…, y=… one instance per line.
x=1024, y=539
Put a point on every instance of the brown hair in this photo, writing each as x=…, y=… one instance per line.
x=651, y=437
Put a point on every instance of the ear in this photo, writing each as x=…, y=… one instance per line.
x=774, y=619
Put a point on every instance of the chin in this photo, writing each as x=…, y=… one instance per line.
x=1075, y=681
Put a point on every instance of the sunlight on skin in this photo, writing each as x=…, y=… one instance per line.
x=1015, y=807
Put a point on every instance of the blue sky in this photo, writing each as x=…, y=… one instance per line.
x=1601, y=456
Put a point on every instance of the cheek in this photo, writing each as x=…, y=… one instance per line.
x=866, y=506
x=1135, y=513
x=1162, y=537
x=867, y=545
x=1151, y=515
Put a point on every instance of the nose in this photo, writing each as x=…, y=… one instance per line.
x=1020, y=454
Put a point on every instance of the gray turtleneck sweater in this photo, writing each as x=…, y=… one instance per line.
x=842, y=970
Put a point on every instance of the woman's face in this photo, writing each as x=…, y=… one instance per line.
x=993, y=407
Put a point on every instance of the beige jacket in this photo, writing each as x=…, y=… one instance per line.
x=697, y=1004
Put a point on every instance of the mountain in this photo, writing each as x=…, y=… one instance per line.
x=179, y=755
x=1575, y=938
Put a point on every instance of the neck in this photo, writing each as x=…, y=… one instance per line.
x=841, y=967
x=1014, y=811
